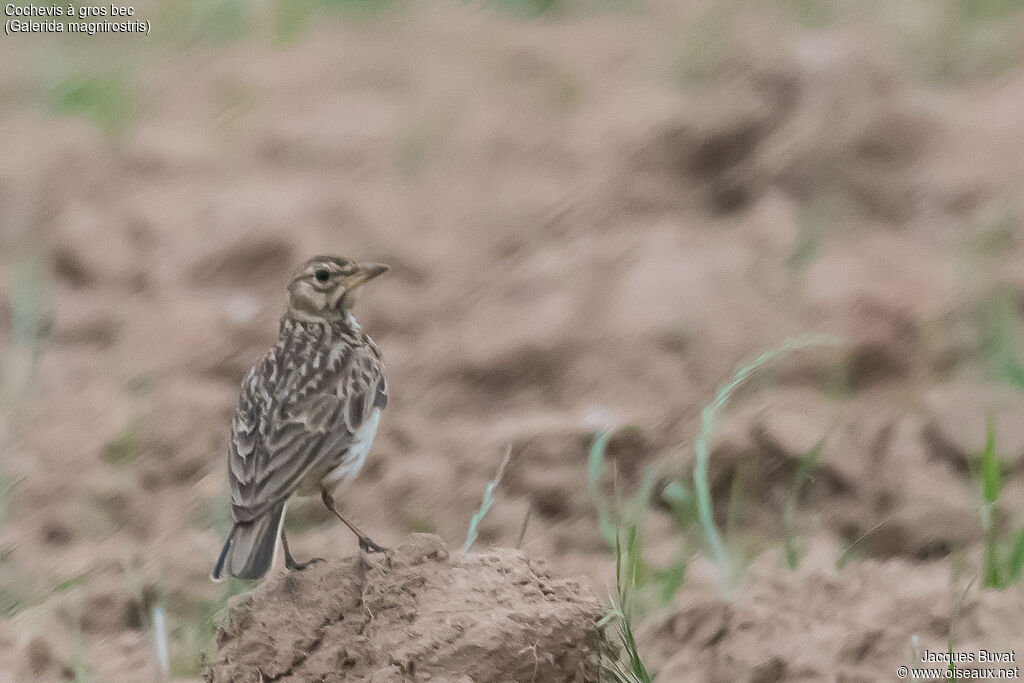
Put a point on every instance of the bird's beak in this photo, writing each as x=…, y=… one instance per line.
x=365, y=273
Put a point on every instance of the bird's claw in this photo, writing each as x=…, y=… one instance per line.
x=368, y=546
x=299, y=566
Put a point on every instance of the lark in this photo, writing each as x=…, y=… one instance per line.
x=307, y=415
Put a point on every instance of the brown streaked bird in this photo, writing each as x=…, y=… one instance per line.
x=306, y=417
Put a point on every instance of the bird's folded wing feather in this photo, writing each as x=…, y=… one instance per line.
x=276, y=443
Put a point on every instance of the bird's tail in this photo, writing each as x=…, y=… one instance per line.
x=249, y=551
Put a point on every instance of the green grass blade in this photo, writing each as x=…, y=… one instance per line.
x=486, y=502
x=991, y=475
x=702, y=485
x=595, y=468
x=989, y=469
x=635, y=566
x=627, y=569
x=526, y=523
x=618, y=563
x=671, y=579
x=1015, y=562
x=803, y=474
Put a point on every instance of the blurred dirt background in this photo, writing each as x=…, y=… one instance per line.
x=594, y=213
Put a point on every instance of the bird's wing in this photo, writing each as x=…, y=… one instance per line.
x=279, y=438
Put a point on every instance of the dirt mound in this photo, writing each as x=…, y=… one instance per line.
x=413, y=612
x=820, y=623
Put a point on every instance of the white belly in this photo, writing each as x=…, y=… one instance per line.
x=362, y=441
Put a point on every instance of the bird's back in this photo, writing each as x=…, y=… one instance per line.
x=300, y=408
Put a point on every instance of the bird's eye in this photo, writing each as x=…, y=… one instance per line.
x=322, y=275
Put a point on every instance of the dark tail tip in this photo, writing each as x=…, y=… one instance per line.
x=248, y=552
x=217, y=575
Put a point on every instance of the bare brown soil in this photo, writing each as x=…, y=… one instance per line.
x=591, y=220
x=414, y=613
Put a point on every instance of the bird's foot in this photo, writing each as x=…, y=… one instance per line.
x=292, y=565
x=368, y=546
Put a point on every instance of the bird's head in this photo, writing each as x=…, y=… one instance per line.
x=323, y=287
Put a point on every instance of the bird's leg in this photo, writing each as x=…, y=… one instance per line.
x=289, y=561
x=365, y=543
